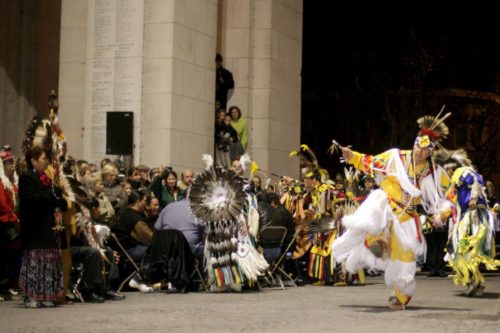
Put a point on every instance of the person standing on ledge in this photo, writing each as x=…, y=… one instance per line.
x=223, y=82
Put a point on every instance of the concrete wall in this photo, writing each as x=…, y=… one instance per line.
x=29, y=66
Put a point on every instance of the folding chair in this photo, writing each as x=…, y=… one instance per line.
x=129, y=260
x=197, y=271
x=273, y=235
x=76, y=281
x=169, y=259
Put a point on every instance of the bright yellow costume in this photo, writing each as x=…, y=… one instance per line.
x=384, y=233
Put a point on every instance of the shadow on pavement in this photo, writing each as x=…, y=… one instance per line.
x=485, y=296
x=385, y=308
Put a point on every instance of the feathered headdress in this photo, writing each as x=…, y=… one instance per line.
x=45, y=132
x=309, y=163
x=432, y=129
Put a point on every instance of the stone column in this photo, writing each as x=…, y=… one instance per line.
x=262, y=47
x=179, y=82
x=173, y=92
x=72, y=73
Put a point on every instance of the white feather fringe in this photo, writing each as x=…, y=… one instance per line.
x=395, y=167
x=401, y=274
x=373, y=216
x=408, y=237
x=253, y=264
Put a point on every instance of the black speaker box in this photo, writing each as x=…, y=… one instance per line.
x=119, y=133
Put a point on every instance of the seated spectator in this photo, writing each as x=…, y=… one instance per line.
x=273, y=214
x=152, y=210
x=187, y=177
x=123, y=198
x=154, y=249
x=93, y=168
x=83, y=175
x=178, y=216
x=143, y=171
x=135, y=234
x=236, y=167
x=165, y=188
x=82, y=166
x=104, y=162
x=90, y=251
x=153, y=173
x=112, y=186
x=135, y=179
x=257, y=185
x=106, y=212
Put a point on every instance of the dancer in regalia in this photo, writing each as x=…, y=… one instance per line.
x=471, y=239
x=218, y=199
x=384, y=232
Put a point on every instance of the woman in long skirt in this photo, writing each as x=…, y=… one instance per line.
x=40, y=206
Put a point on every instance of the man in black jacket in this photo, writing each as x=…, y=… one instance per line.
x=223, y=82
x=273, y=214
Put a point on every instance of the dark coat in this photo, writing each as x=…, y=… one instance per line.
x=275, y=217
x=168, y=258
x=223, y=82
x=37, y=204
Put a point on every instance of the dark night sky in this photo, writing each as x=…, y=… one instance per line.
x=350, y=58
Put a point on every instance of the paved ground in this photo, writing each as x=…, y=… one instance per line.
x=437, y=307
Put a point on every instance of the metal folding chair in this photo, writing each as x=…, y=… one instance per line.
x=275, y=271
x=197, y=271
x=76, y=281
x=129, y=259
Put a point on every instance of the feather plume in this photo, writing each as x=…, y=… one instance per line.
x=245, y=161
x=268, y=182
x=208, y=160
x=433, y=126
x=444, y=156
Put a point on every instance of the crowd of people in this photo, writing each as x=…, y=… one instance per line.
x=73, y=228
x=36, y=212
